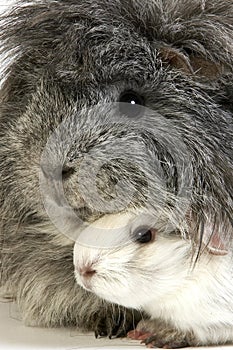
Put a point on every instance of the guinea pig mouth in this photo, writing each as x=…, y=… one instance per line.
x=86, y=284
x=83, y=281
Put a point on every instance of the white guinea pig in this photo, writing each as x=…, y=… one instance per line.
x=124, y=259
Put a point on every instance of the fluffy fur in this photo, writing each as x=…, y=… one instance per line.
x=68, y=56
x=188, y=306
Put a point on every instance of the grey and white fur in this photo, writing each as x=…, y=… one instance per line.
x=66, y=57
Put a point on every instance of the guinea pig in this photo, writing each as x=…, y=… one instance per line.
x=125, y=259
x=118, y=109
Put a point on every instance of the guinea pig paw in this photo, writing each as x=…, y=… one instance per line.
x=157, y=334
x=138, y=335
x=116, y=325
x=155, y=341
x=103, y=328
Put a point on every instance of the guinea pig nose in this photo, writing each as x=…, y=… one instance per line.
x=87, y=271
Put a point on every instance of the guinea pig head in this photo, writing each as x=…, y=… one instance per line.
x=125, y=259
x=164, y=142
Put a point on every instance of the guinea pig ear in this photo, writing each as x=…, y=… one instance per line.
x=205, y=68
x=191, y=64
x=215, y=237
x=176, y=59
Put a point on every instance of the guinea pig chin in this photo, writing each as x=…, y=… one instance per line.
x=110, y=290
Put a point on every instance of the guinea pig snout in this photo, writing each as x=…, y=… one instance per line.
x=86, y=270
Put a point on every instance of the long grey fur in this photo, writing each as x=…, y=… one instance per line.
x=69, y=55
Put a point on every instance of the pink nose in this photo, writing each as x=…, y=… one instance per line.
x=86, y=271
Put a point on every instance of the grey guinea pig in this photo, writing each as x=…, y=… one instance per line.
x=116, y=117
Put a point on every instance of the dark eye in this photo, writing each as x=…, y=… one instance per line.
x=131, y=97
x=131, y=104
x=143, y=235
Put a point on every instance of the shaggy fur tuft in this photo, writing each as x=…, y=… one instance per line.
x=63, y=57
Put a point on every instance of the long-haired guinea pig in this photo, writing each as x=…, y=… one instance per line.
x=118, y=110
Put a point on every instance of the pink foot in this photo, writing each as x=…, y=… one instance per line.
x=138, y=335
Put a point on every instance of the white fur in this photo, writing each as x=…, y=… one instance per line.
x=159, y=278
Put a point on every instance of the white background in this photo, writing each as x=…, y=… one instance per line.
x=14, y=335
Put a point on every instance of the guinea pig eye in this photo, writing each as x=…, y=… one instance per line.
x=131, y=104
x=131, y=97
x=143, y=235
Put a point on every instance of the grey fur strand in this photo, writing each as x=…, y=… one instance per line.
x=67, y=55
